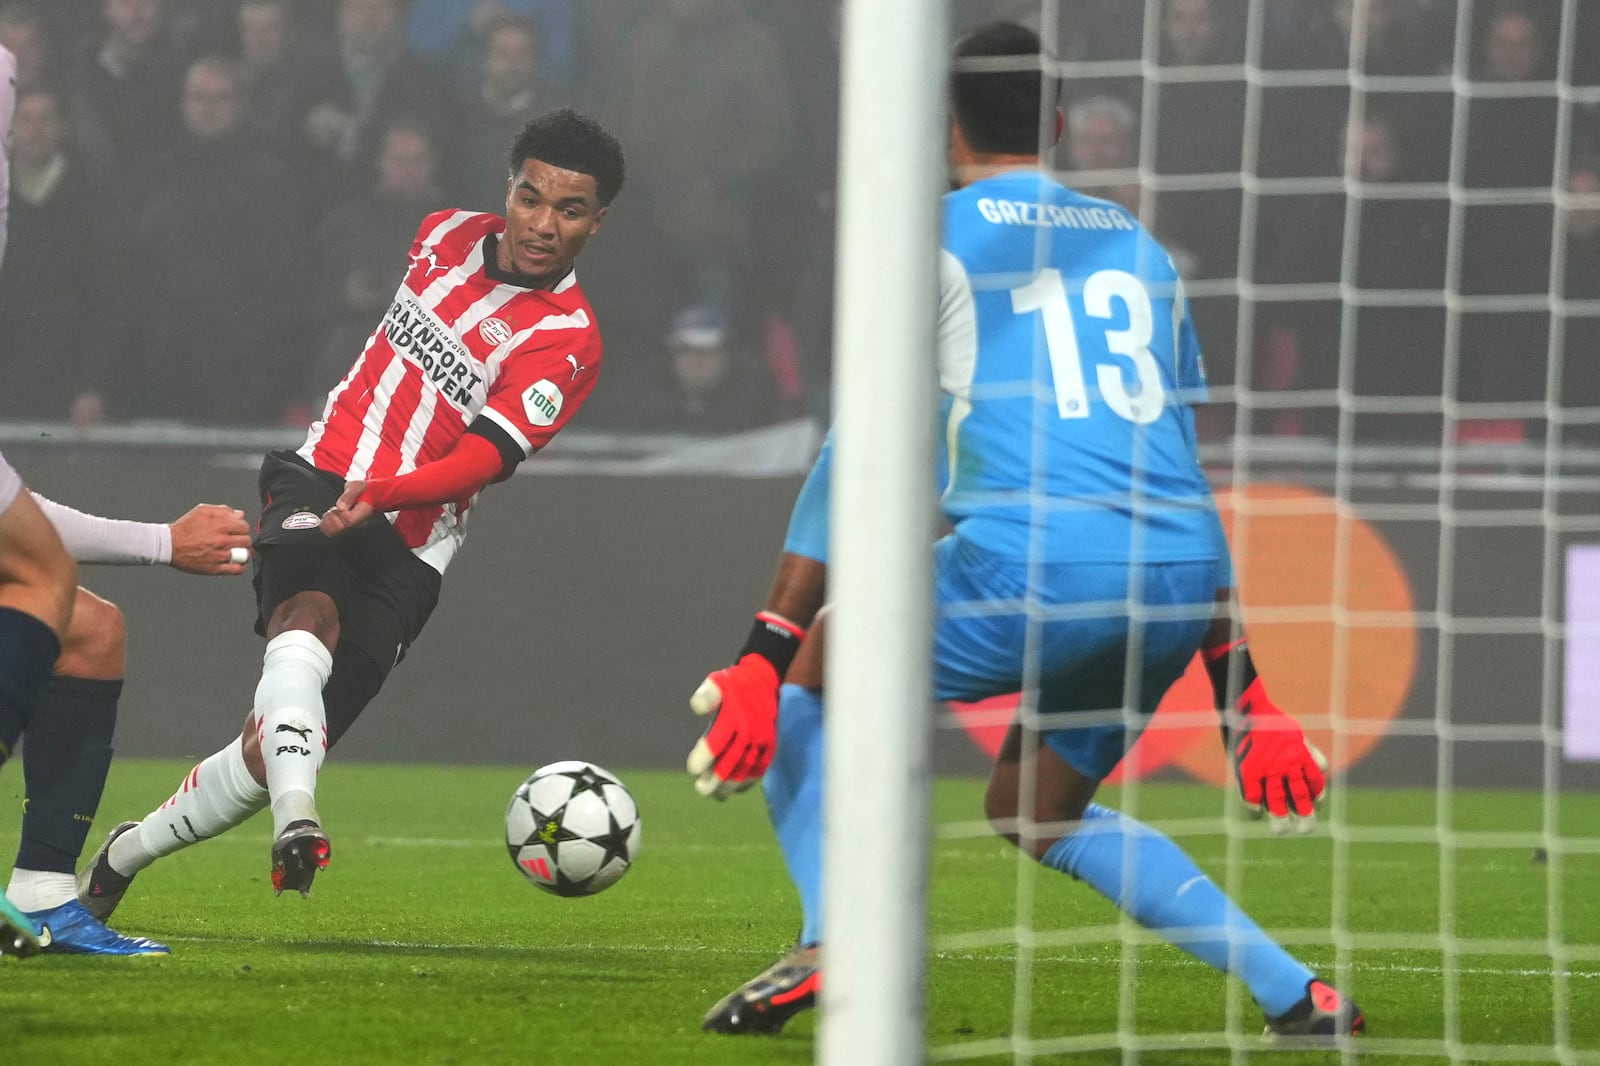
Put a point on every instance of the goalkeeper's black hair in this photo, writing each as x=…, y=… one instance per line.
x=572, y=141
x=1005, y=111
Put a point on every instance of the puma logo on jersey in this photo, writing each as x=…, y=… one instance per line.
x=305, y=734
x=432, y=259
x=576, y=366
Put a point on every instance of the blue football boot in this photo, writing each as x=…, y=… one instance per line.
x=71, y=930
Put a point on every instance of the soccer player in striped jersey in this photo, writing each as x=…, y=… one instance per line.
x=1067, y=364
x=488, y=348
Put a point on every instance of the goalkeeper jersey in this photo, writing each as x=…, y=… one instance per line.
x=1067, y=365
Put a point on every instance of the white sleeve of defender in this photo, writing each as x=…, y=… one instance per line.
x=92, y=539
x=8, y=105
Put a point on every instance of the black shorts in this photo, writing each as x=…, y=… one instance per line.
x=383, y=592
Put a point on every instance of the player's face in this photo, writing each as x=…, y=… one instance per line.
x=550, y=214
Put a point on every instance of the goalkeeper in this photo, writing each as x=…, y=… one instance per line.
x=1071, y=480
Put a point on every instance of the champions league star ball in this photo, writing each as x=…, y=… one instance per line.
x=572, y=828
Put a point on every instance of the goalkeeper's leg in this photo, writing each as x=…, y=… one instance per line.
x=1153, y=881
x=793, y=788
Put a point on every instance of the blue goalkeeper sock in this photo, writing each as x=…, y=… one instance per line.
x=1165, y=892
x=793, y=788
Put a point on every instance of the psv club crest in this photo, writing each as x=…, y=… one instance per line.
x=494, y=331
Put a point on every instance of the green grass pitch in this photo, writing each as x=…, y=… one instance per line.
x=422, y=944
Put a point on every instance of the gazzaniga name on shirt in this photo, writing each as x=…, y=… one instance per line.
x=421, y=338
x=1023, y=213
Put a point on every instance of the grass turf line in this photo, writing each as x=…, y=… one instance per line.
x=423, y=944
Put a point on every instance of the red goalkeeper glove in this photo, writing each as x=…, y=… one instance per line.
x=738, y=744
x=1280, y=773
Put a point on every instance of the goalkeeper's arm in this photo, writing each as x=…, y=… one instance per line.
x=742, y=699
x=1279, y=772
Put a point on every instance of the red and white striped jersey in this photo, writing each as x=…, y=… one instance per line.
x=454, y=345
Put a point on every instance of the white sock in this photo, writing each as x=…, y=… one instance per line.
x=291, y=725
x=215, y=796
x=40, y=890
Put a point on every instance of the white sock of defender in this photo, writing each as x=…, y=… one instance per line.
x=291, y=725
x=40, y=890
x=216, y=795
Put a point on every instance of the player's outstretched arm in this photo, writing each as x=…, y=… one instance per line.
x=458, y=475
x=737, y=746
x=1280, y=773
x=210, y=539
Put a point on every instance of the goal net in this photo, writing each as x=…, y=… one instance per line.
x=1387, y=215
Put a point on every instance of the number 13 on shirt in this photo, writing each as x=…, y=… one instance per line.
x=1104, y=289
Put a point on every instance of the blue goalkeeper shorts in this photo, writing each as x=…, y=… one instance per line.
x=1081, y=645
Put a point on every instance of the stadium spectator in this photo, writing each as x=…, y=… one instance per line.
x=1511, y=139
x=1580, y=369
x=1189, y=137
x=1299, y=121
x=57, y=356
x=354, y=95
x=361, y=249
x=130, y=80
x=1399, y=244
x=23, y=34
x=706, y=383
x=1321, y=35
x=1103, y=150
x=1506, y=246
x=274, y=70
x=27, y=36
x=510, y=89
x=222, y=269
x=455, y=34
x=702, y=102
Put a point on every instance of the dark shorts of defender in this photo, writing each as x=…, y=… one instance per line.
x=383, y=592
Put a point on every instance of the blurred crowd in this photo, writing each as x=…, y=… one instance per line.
x=1356, y=121
x=213, y=199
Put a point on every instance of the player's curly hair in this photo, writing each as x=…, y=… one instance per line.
x=1003, y=110
x=572, y=141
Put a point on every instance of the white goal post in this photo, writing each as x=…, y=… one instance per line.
x=891, y=160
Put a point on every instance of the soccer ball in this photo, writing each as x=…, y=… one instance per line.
x=572, y=828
